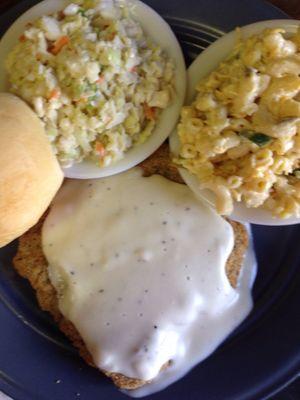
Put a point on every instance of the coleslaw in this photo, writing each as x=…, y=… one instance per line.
x=95, y=80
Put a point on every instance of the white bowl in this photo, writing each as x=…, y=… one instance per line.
x=206, y=62
x=156, y=28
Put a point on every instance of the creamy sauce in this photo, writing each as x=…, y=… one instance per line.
x=139, y=265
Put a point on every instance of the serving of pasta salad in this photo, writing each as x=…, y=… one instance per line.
x=241, y=135
x=97, y=82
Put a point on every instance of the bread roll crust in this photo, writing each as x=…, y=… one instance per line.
x=29, y=172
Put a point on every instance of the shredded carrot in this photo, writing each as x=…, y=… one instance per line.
x=149, y=111
x=22, y=38
x=55, y=94
x=100, y=79
x=59, y=44
x=100, y=149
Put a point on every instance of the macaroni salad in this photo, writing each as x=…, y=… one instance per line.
x=241, y=135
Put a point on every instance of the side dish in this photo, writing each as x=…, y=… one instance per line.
x=241, y=135
x=95, y=79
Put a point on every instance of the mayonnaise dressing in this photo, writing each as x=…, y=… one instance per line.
x=139, y=266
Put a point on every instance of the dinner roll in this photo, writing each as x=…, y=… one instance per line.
x=29, y=172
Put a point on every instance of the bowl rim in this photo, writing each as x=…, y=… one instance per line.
x=161, y=33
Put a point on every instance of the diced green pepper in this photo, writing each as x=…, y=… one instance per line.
x=256, y=137
x=92, y=98
x=114, y=56
x=90, y=108
x=82, y=12
x=78, y=90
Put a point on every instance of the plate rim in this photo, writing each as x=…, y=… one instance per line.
x=17, y=397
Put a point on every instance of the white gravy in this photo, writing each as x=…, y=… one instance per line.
x=139, y=265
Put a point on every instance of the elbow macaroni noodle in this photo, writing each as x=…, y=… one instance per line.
x=241, y=135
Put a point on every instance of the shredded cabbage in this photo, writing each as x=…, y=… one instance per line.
x=94, y=79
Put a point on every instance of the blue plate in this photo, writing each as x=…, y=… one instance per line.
x=38, y=363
